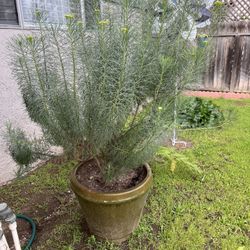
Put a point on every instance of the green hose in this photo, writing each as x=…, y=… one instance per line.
x=33, y=227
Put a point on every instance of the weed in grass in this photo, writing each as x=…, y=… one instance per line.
x=94, y=244
x=63, y=236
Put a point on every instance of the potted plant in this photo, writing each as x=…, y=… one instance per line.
x=106, y=97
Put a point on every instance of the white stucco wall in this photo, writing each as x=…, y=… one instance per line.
x=11, y=107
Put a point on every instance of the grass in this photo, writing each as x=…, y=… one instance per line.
x=185, y=210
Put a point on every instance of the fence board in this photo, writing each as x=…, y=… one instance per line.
x=244, y=69
x=229, y=68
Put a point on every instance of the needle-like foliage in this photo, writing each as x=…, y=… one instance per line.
x=108, y=92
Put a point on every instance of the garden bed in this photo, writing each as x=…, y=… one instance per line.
x=184, y=210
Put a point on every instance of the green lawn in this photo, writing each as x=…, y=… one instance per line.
x=185, y=210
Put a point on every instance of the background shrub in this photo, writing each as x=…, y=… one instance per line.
x=197, y=113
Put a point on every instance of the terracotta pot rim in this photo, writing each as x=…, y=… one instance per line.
x=111, y=197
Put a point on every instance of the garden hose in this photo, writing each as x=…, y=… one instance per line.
x=33, y=227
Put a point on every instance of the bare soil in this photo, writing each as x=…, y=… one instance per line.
x=90, y=175
x=46, y=217
x=24, y=232
x=180, y=145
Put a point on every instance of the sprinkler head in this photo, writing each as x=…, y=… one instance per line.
x=6, y=213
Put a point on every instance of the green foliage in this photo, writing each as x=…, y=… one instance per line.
x=94, y=244
x=197, y=113
x=71, y=233
x=218, y=4
x=176, y=159
x=23, y=150
x=83, y=87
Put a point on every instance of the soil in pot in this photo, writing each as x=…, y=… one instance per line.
x=90, y=176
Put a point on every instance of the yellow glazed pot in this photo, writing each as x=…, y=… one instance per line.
x=112, y=216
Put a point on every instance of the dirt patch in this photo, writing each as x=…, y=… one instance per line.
x=57, y=160
x=180, y=145
x=240, y=104
x=214, y=216
x=44, y=208
x=24, y=232
x=247, y=233
x=90, y=175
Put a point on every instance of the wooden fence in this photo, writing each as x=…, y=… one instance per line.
x=229, y=69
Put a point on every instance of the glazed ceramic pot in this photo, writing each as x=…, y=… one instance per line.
x=112, y=216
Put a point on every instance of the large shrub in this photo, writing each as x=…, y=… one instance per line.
x=107, y=93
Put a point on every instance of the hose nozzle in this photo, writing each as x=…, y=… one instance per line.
x=6, y=214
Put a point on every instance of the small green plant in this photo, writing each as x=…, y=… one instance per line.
x=198, y=113
x=23, y=150
x=218, y=4
x=94, y=244
x=175, y=160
